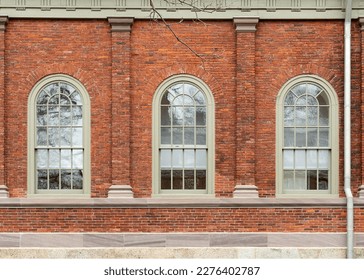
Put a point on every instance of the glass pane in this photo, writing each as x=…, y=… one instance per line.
x=165, y=115
x=165, y=135
x=66, y=116
x=54, y=100
x=77, y=115
x=41, y=136
x=177, y=180
x=300, y=137
x=66, y=137
x=189, y=179
x=290, y=99
x=42, y=115
x=312, y=116
x=53, y=115
x=166, y=98
x=324, y=159
x=64, y=100
x=42, y=158
x=177, y=156
x=200, y=98
x=323, y=180
x=77, y=159
x=53, y=179
x=312, y=101
x=187, y=100
x=302, y=100
x=313, y=89
x=66, y=179
x=177, y=115
x=176, y=89
x=288, y=137
x=300, y=115
x=165, y=179
x=288, y=180
x=77, y=137
x=189, y=136
x=66, y=89
x=201, y=179
x=201, y=136
x=190, y=89
x=52, y=89
x=201, y=159
x=189, y=159
x=177, y=136
x=42, y=97
x=300, y=180
x=288, y=159
x=54, y=158
x=288, y=116
x=300, y=159
x=76, y=98
x=299, y=89
x=311, y=159
x=53, y=137
x=324, y=137
x=189, y=116
x=312, y=137
x=322, y=99
x=178, y=101
x=77, y=179
x=200, y=115
x=324, y=116
x=166, y=159
x=42, y=180
x=66, y=158
x=312, y=179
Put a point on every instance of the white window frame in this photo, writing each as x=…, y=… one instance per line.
x=210, y=137
x=32, y=134
x=333, y=139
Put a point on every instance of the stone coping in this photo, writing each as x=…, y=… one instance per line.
x=193, y=202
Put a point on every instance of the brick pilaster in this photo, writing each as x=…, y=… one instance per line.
x=361, y=188
x=245, y=111
x=120, y=40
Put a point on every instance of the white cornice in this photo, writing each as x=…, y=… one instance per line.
x=214, y=9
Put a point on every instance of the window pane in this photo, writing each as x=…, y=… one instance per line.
x=300, y=180
x=312, y=159
x=189, y=136
x=54, y=100
x=76, y=98
x=42, y=97
x=42, y=158
x=165, y=115
x=300, y=116
x=288, y=180
x=42, y=115
x=311, y=101
x=66, y=179
x=77, y=115
x=53, y=137
x=189, y=116
x=166, y=159
x=312, y=116
x=42, y=180
x=77, y=159
x=201, y=179
x=189, y=159
x=324, y=137
x=187, y=100
x=54, y=156
x=77, y=137
x=201, y=159
x=201, y=136
x=322, y=99
x=66, y=137
x=300, y=137
x=177, y=136
x=288, y=159
x=41, y=136
x=288, y=116
x=290, y=99
x=288, y=137
x=177, y=115
x=177, y=180
x=299, y=89
x=200, y=115
x=323, y=180
x=53, y=115
x=190, y=89
x=300, y=159
x=66, y=116
x=53, y=179
x=324, y=116
x=313, y=89
x=66, y=158
x=302, y=100
x=77, y=179
x=200, y=98
x=165, y=179
x=189, y=179
x=312, y=137
x=324, y=159
x=166, y=99
x=165, y=135
x=177, y=156
x=311, y=179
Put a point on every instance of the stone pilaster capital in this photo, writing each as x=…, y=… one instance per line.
x=361, y=21
x=3, y=22
x=246, y=24
x=119, y=24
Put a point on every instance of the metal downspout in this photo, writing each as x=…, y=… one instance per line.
x=347, y=131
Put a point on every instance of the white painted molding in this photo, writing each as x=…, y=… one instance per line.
x=246, y=24
x=120, y=191
x=361, y=191
x=119, y=24
x=4, y=193
x=3, y=22
x=246, y=191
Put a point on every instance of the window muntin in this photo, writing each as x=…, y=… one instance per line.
x=183, y=145
x=59, y=145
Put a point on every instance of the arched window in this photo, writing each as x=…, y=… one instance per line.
x=307, y=146
x=183, y=151
x=58, y=137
